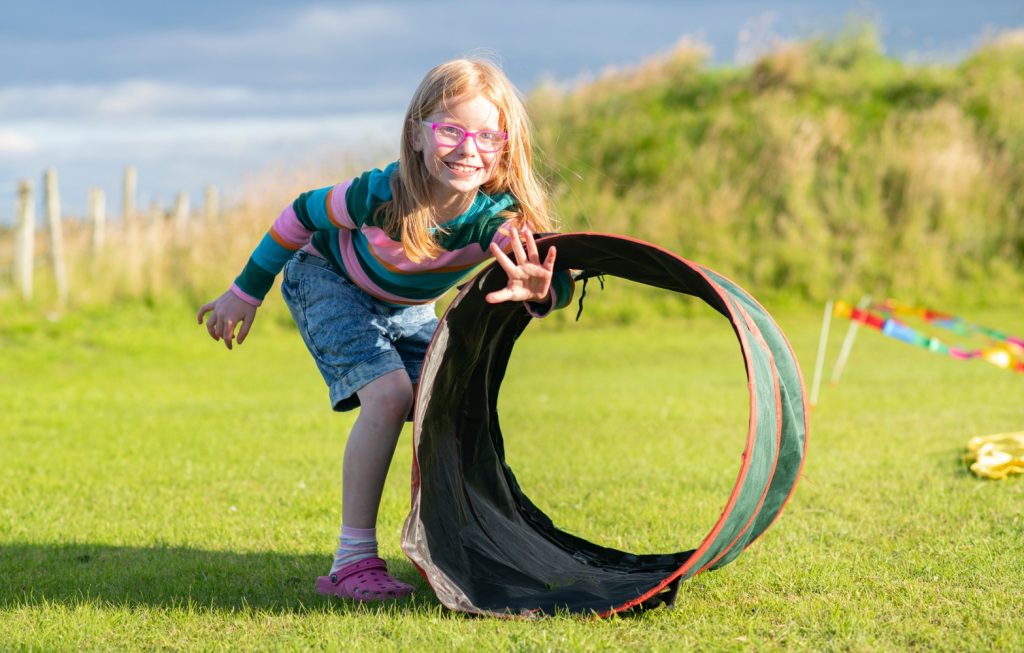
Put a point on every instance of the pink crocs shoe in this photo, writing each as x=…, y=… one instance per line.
x=366, y=580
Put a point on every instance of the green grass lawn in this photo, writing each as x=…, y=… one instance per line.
x=161, y=492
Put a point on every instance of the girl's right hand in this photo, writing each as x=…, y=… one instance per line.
x=227, y=312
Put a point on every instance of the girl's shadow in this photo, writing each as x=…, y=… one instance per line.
x=171, y=576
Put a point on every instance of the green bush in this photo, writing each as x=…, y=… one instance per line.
x=824, y=169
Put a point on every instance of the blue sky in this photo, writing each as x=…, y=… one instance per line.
x=212, y=92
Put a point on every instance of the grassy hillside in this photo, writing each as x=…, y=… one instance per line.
x=825, y=168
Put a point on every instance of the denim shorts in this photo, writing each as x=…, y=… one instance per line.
x=353, y=337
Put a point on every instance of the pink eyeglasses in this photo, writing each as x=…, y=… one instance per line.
x=448, y=135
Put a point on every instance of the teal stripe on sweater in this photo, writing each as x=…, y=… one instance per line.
x=311, y=209
x=377, y=270
x=270, y=255
x=563, y=286
x=266, y=261
x=315, y=204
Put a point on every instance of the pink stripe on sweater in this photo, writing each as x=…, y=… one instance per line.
x=390, y=253
x=337, y=208
x=244, y=296
x=355, y=272
x=503, y=236
x=288, y=227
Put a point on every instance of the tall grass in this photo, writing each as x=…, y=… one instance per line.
x=156, y=260
x=824, y=168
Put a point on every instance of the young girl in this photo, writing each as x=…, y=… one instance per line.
x=365, y=259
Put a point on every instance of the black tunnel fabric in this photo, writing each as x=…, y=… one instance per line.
x=480, y=542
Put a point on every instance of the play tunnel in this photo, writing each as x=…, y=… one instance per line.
x=480, y=542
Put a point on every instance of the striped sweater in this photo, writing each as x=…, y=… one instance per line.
x=338, y=223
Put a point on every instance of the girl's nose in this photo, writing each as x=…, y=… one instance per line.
x=468, y=146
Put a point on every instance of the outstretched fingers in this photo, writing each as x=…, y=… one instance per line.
x=529, y=279
x=549, y=260
x=510, y=268
x=517, y=248
x=531, y=246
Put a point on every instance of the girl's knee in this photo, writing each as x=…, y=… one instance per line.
x=390, y=396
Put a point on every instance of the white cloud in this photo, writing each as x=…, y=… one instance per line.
x=13, y=142
x=149, y=97
x=341, y=23
x=121, y=99
x=141, y=98
x=258, y=139
x=304, y=38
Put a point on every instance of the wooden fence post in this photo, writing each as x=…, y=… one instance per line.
x=130, y=227
x=181, y=213
x=212, y=204
x=60, y=273
x=131, y=179
x=98, y=217
x=25, y=241
x=153, y=245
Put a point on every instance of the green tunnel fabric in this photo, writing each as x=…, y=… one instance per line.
x=480, y=542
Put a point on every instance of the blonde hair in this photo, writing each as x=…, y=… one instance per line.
x=409, y=216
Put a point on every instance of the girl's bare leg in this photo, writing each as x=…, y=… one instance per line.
x=384, y=405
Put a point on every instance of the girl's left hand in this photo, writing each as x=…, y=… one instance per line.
x=529, y=280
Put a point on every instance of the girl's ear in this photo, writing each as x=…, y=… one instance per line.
x=416, y=138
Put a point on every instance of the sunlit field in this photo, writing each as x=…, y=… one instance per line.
x=161, y=492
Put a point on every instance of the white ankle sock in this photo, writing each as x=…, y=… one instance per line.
x=355, y=544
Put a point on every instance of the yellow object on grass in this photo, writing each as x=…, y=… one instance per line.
x=996, y=456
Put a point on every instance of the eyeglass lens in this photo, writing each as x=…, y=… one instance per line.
x=452, y=136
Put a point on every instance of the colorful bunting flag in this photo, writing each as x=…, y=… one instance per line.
x=1001, y=350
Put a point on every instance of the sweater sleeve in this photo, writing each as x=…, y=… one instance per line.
x=562, y=288
x=322, y=209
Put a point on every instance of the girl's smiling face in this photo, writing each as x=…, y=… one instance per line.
x=457, y=172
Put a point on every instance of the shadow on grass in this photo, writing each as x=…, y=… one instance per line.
x=122, y=576
x=958, y=466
